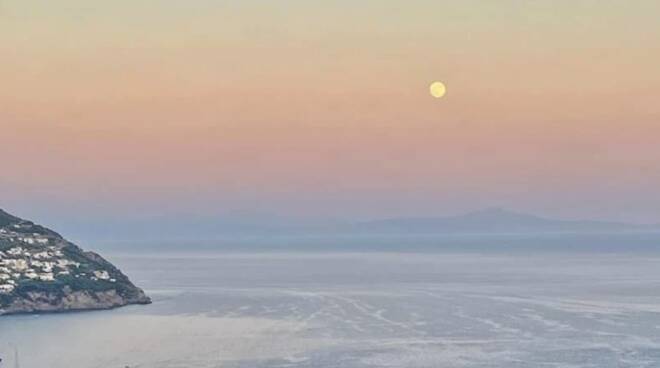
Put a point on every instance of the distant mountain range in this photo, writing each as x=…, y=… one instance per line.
x=490, y=221
x=233, y=225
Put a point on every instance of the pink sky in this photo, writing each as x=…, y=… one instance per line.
x=308, y=108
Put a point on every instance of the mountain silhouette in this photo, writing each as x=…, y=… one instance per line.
x=491, y=220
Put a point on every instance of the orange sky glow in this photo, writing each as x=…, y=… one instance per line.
x=311, y=108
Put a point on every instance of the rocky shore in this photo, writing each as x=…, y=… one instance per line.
x=41, y=272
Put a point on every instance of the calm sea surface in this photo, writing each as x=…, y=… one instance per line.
x=444, y=308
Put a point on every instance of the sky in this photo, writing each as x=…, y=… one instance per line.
x=318, y=109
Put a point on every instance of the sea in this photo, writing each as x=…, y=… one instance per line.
x=560, y=300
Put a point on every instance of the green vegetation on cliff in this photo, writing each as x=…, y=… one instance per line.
x=40, y=271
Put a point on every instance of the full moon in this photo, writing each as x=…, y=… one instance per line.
x=437, y=89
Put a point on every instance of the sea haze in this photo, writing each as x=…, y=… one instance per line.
x=335, y=308
x=236, y=226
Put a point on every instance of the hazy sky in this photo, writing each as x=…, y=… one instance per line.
x=321, y=108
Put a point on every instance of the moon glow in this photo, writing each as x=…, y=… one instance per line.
x=437, y=89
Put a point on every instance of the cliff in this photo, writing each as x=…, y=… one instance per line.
x=40, y=272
